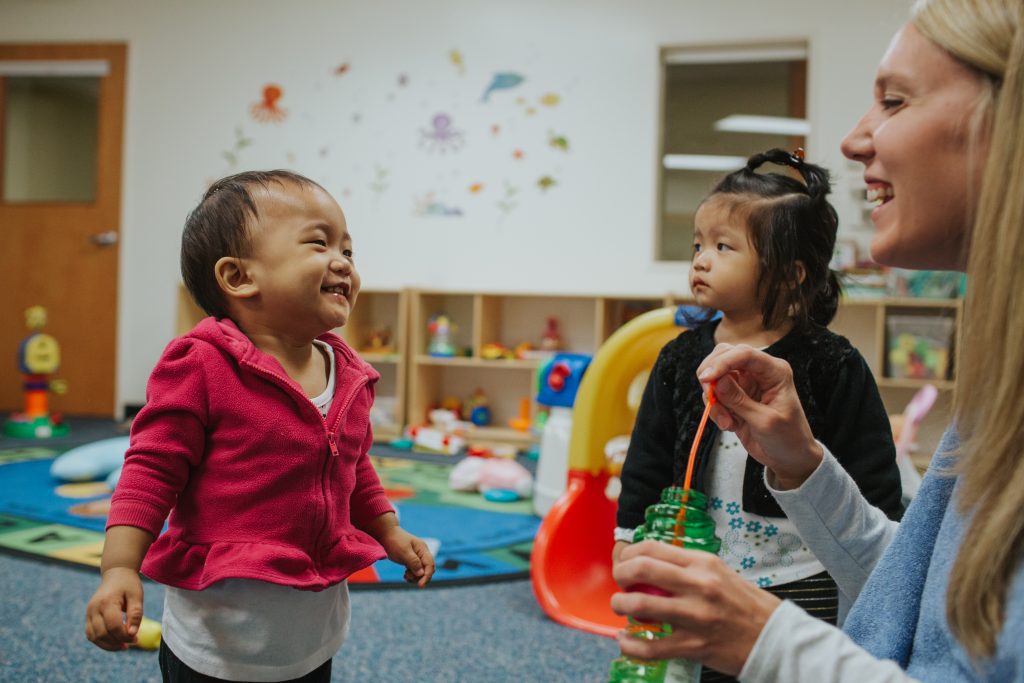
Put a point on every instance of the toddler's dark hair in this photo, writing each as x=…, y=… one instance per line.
x=790, y=223
x=219, y=226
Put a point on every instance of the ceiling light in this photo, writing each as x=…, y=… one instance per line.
x=702, y=162
x=774, y=125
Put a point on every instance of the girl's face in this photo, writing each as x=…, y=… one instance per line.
x=921, y=166
x=725, y=267
x=302, y=261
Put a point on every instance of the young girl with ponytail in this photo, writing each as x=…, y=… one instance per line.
x=762, y=246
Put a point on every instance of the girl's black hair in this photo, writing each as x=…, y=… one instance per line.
x=219, y=226
x=792, y=226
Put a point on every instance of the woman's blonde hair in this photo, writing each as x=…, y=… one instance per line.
x=986, y=35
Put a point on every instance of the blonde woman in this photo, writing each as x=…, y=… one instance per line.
x=939, y=597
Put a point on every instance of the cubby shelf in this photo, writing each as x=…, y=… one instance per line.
x=584, y=322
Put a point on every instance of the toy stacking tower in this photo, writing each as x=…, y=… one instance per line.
x=38, y=358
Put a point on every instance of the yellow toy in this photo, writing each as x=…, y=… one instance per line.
x=148, y=637
x=38, y=358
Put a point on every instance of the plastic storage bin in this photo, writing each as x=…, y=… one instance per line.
x=919, y=346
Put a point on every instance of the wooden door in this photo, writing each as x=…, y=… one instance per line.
x=61, y=251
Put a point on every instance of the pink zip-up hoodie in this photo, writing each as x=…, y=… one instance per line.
x=258, y=485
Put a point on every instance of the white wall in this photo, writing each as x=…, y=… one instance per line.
x=196, y=66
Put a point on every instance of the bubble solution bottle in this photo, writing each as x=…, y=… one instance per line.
x=693, y=529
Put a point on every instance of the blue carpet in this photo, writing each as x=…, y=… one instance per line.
x=479, y=540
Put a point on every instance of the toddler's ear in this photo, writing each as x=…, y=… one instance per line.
x=801, y=272
x=233, y=278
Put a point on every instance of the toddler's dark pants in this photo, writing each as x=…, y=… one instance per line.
x=176, y=671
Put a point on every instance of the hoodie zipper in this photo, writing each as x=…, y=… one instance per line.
x=332, y=444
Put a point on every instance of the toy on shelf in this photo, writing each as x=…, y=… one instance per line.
x=441, y=330
x=919, y=346
x=522, y=421
x=495, y=351
x=479, y=409
x=379, y=341
x=453, y=404
x=443, y=436
x=524, y=350
x=38, y=358
x=926, y=283
x=551, y=340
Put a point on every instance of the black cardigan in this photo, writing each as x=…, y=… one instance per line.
x=839, y=397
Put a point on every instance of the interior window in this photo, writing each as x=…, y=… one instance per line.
x=718, y=107
x=49, y=138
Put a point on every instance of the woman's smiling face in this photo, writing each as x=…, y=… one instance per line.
x=921, y=163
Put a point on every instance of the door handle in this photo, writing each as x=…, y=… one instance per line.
x=104, y=239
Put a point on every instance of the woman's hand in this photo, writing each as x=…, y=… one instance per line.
x=757, y=400
x=716, y=616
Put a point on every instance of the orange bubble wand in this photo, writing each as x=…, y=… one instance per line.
x=681, y=517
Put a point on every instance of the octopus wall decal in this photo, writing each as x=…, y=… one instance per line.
x=267, y=110
x=441, y=136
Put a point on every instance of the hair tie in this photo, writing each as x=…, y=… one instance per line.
x=797, y=156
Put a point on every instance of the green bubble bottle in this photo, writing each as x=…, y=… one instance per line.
x=680, y=518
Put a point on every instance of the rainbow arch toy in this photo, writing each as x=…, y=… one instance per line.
x=571, y=564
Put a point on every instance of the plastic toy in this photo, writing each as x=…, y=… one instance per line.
x=906, y=433
x=551, y=340
x=453, y=405
x=379, y=341
x=524, y=350
x=38, y=358
x=917, y=357
x=443, y=436
x=501, y=495
x=571, y=561
x=441, y=330
x=91, y=461
x=558, y=382
x=522, y=421
x=492, y=474
x=615, y=454
x=479, y=409
x=149, y=635
x=495, y=351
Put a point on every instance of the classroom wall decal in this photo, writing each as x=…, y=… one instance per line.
x=420, y=133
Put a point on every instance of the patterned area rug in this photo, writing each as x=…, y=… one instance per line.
x=477, y=540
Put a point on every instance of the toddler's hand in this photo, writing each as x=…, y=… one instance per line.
x=411, y=552
x=114, y=613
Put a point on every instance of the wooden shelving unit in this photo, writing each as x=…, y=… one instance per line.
x=508, y=319
x=412, y=381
